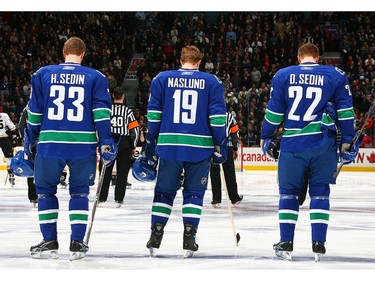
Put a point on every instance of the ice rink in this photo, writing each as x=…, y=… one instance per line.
x=119, y=235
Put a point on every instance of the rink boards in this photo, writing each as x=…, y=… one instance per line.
x=252, y=158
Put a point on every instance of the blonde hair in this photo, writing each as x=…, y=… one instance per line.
x=74, y=46
x=190, y=54
x=307, y=50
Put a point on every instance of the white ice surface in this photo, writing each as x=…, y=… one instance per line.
x=119, y=235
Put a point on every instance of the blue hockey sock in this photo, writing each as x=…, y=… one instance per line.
x=78, y=215
x=192, y=206
x=288, y=216
x=319, y=212
x=48, y=212
x=162, y=207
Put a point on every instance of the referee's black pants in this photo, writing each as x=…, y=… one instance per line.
x=123, y=163
x=230, y=179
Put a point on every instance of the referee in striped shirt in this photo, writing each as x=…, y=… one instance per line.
x=124, y=125
x=228, y=167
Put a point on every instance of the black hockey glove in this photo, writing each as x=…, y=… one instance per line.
x=271, y=146
x=15, y=140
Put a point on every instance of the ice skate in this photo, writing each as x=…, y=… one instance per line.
x=215, y=205
x=157, y=231
x=284, y=250
x=45, y=250
x=319, y=249
x=78, y=250
x=119, y=204
x=235, y=204
x=189, y=240
x=101, y=204
x=34, y=203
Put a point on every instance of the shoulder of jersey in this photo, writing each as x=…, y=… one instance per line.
x=217, y=79
x=210, y=76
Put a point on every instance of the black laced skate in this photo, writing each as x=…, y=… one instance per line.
x=157, y=231
x=78, y=250
x=319, y=249
x=284, y=250
x=45, y=250
x=189, y=240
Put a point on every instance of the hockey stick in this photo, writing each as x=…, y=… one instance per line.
x=6, y=179
x=236, y=234
x=358, y=134
x=98, y=190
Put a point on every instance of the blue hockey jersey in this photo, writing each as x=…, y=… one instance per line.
x=298, y=97
x=69, y=108
x=186, y=114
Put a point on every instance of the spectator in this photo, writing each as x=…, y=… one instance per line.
x=34, y=51
x=255, y=76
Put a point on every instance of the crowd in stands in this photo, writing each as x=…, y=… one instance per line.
x=243, y=49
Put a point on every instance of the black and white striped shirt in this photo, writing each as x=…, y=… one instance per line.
x=232, y=130
x=123, y=122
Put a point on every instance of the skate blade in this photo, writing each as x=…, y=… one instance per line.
x=152, y=252
x=188, y=254
x=45, y=255
x=285, y=255
x=317, y=257
x=77, y=256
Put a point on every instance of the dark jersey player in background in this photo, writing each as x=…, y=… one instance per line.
x=299, y=95
x=70, y=106
x=187, y=115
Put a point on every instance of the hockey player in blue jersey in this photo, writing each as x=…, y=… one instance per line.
x=298, y=99
x=187, y=115
x=69, y=117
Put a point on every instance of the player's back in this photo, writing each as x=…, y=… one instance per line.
x=301, y=93
x=188, y=99
x=64, y=97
